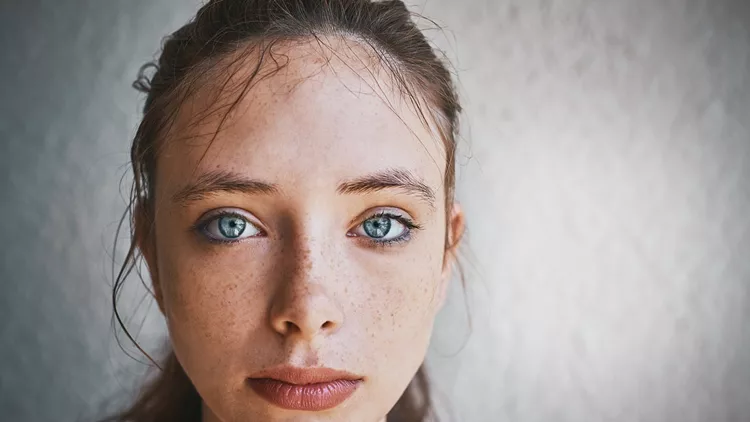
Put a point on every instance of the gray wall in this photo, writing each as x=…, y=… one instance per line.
x=605, y=172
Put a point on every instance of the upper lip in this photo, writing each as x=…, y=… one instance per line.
x=301, y=376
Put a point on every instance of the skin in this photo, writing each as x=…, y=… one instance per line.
x=310, y=289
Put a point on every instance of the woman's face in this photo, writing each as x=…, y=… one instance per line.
x=310, y=234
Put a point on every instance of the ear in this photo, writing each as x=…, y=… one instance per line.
x=456, y=227
x=145, y=240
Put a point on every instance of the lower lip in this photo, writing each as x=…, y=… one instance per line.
x=312, y=397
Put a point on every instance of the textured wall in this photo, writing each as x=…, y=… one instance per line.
x=606, y=176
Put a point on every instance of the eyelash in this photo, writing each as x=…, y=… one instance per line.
x=411, y=226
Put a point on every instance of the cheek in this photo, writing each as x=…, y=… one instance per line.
x=214, y=297
x=404, y=296
x=399, y=319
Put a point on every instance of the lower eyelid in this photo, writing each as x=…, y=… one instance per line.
x=404, y=238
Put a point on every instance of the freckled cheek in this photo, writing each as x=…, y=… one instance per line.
x=403, y=299
x=213, y=296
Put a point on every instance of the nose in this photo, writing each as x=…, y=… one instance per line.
x=304, y=305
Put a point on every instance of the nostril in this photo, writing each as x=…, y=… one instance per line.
x=291, y=327
x=327, y=325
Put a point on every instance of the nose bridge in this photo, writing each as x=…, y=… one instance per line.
x=305, y=303
x=311, y=246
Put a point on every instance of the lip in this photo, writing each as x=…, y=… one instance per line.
x=311, y=389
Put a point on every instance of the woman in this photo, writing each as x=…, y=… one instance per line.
x=294, y=202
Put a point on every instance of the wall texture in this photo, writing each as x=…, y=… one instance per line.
x=605, y=172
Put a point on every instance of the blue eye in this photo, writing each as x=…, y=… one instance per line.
x=229, y=226
x=378, y=227
x=385, y=228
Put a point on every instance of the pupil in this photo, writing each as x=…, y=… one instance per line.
x=377, y=227
x=231, y=227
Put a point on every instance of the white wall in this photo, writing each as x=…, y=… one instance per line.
x=605, y=172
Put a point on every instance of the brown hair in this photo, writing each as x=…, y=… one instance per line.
x=219, y=28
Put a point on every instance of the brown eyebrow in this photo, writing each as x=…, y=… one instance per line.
x=224, y=181
x=386, y=179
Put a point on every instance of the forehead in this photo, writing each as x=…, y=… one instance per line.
x=332, y=111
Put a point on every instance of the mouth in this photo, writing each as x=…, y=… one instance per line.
x=311, y=389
